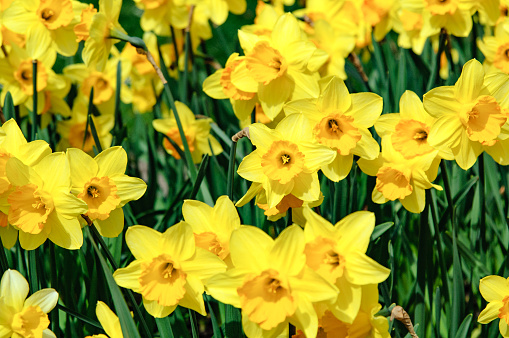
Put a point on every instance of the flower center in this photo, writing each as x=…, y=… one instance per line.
x=410, y=138
x=30, y=322
x=338, y=131
x=24, y=76
x=55, y=13
x=442, y=7
x=393, y=183
x=100, y=194
x=283, y=161
x=82, y=29
x=265, y=63
x=29, y=208
x=266, y=299
x=484, y=120
x=162, y=280
x=103, y=90
x=322, y=257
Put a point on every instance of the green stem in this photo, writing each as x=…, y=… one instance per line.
x=231, y=171
x=4, y=265
x=32, y=270
x=34, y=108
x=482, y=192
x=447, y=188
x=194, y=324
x=55, y=326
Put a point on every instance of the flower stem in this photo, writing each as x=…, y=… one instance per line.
x=231, y=170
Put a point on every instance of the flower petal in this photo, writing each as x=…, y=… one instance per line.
x=471, y=80
x=46, y=299
x=13, y=289
x=287, y=254
x=112, y=226
x=65, y=233
x=128, y=277
x=129, y=188
x=111, y=161
x=142, y=241
x=249, y=248
x=354, y=231
x=490, y=312
x=335, y=96
x=361, y=269
x=494, y=288
x=365, y=109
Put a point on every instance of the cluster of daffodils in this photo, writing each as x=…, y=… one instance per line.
x=316, y=278
x=46, y=195
x=319, y=125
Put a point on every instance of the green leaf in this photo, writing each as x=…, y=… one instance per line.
x=463, y=330
x=164, y=327
x=9, y=107
x=380, y=229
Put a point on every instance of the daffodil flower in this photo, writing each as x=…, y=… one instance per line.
x=197, y=133
x=271, y=282
x=169, y=269
x=286, y=160
x=41, y=205
x=212, y=226
x=46, y=23
x=279, y=65
x=468, y=116
x=399, y=178
x=220, y=86
x=495, y=290
x=103, y=29
x=14, y=144
x=102, y=184
x=409, y=128
x=496, y=48
x=338, y=254
x=21, y=316
x=340, y=121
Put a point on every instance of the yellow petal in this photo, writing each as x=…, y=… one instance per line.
x=274, y=95
x=142, y=241
x=306, y=187
x=494, y=288
x=334, y=97
x=441, y=101
x=285, y=31
x=365, y=109
x=361, y=270
x=348, y=302
x=128, y=277
x=82, y=166
x=212, y=87
x=178, y=241
x=54, y=170
x=251, y=168
x=112, y=226
x=287, y=254
x=468, y=86
x=446, y=131
x=355, y=231
x=467, y=152
x=490, y=312
x=38, y=39
x=193, y=299
x=305, y=318
x=31, y=242
x=13, y=289
x=65, y=233
x=223, y=286
x=129, y=188
x=156, y=310
x=46, y=299
x=339, y=168
x=109, y=321
x=203, y=265
x=111, y=161
x=261, y=136
x=249, y=248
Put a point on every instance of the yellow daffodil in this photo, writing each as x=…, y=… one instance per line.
x=103, y=82
x=14, y=144
x=280, y=65
x=399, y=178
x=338, y=254
x=102, y=184
x=48, y=24
x=72, y=131
x=159, y=15
x=408, y=23
x=212, y=226
x=271, y=282
x=17, y=78
x=280, y=210
x=103, y=29
x=495, y=290
x=286, y=160
x=468, y=116
x=453, y=15
x=496, y=48
x=266, y=17
x=197, y=133
x=21, y=316
x=409, y=128
x=169, y=269
x=489, y=11
x=109, y=321
x=340, y=121
x=41, y=205
x=220, y=86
